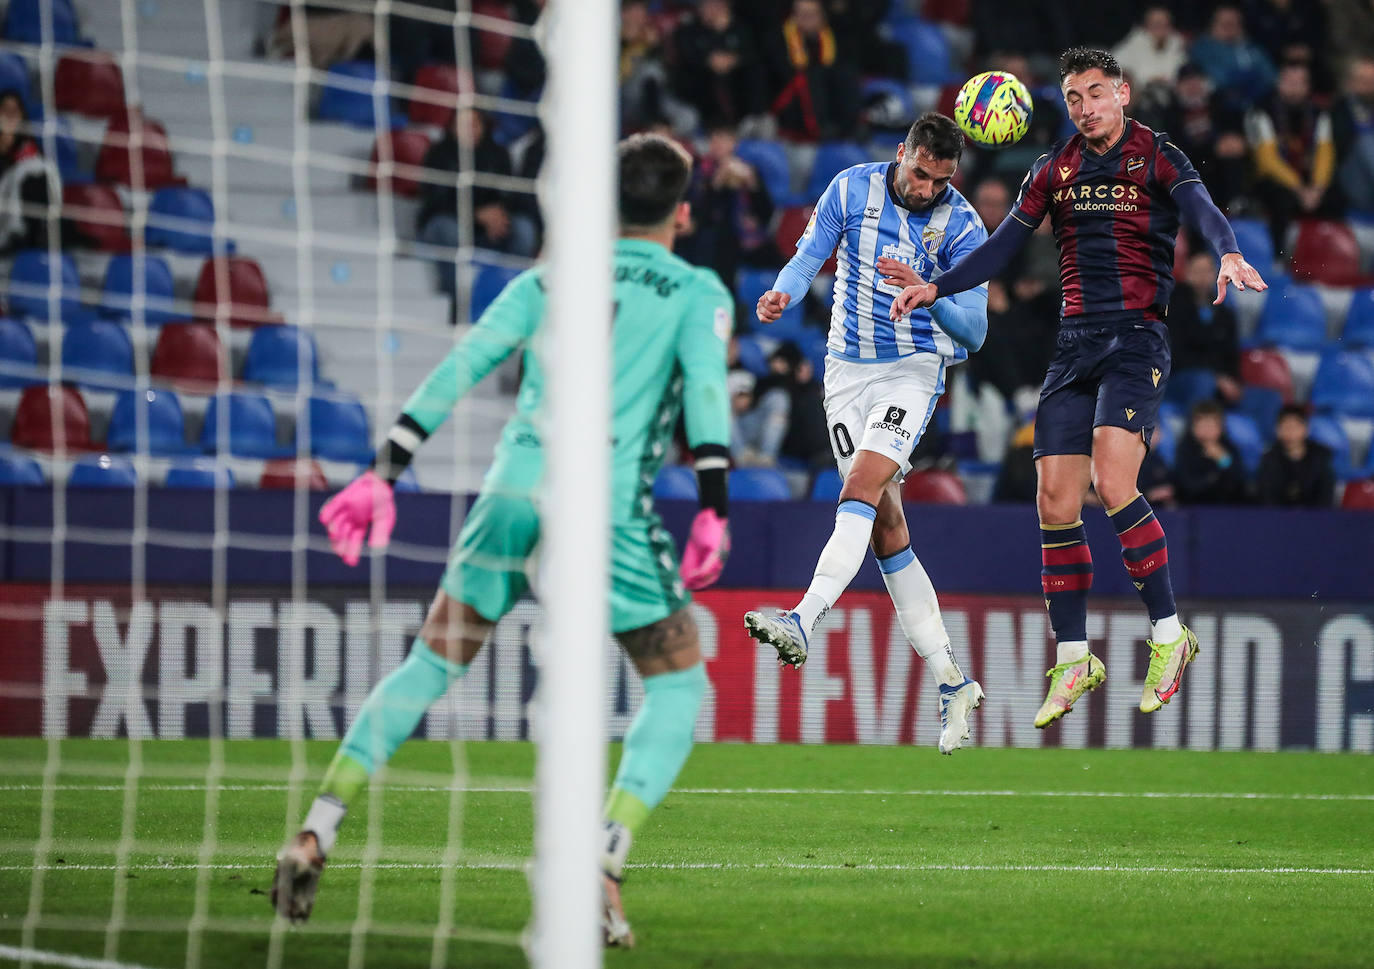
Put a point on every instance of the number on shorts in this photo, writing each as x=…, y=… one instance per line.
x=844, y=444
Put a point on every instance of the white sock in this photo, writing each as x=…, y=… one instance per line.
x=326, y=814
x=1167, y=630
x=839, y=561
x=615, y=848
x=1071, y=651
x=918, y=611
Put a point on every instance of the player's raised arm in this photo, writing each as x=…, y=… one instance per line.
x=813, y=249
x=1203, y=217
x=964, y=316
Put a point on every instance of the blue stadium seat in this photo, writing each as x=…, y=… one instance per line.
x=117, y=296
x=770, y=161
x=487, y=285
x=14, y=76
x=338, y=429
x=199, y=474
x=31, y=275
x=407, y=482
x=1359, y=321
x=278, y=354
x=98, y=354
x=1167, y=445
x=1255, y=242
x=758, y=484
x=510, y=126
x=18, y=354
x=676, y=482
x=350, y=100
x=1187, y=387
x=69, y=164
x=875, y=88
x=1325, y=429
x=1246, y=436
x=752, y=355
x=252, y=428
x=1292, y=318
x=166, y=428
x=927, y=50
x=19, y=469
x=1262, y=405
x=183, y=219
x=750, y=284
x=827, y=485
x=103, y=471
x=1344, y=385
x=25, y=22
x=832, y=158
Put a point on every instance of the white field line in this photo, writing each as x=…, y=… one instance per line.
x=44, y=958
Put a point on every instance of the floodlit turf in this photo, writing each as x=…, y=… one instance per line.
x=767, y=856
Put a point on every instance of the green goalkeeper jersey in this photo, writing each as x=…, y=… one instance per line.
x=672, y=324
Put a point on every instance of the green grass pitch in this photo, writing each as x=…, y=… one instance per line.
x=765, y=856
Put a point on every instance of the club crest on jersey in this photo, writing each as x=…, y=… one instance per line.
x=1135, y=164
x=931, y=239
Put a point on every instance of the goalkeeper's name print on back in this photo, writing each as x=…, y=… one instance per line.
x=862, y=211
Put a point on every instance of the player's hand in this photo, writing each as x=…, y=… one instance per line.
x=911, y=298
x=367, y=500
x=770, y=306
x=1239, y=273
x=708, y=546
x=897, y=273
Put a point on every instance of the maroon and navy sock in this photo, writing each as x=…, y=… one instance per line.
x=1066, y=575
x=1146, y=554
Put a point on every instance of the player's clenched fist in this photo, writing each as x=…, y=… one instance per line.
x=770, y=306
x=912, y=298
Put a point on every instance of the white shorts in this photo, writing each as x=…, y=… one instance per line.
x=881, y=407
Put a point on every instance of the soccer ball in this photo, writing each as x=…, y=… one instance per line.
x=993, y=108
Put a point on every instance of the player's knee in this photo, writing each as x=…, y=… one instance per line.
x=1057, y=504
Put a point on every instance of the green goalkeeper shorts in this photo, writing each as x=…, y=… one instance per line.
x=491, y=564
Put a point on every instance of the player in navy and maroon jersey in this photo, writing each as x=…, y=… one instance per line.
x=1114, y=192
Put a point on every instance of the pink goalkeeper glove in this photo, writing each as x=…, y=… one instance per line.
x=366, y=500
x=708, y=546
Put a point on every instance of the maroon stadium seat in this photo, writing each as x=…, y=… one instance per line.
x=491, y=46
x=104, y=222
x=40, y=407
x=281, y=474
x=89, y=83
x=791, y=224
x=1263, y=367
x=115, y=161
x=440, y=79
x=190, y=356
x=247, y=298
x=408, y=150
x=1327, y=252
x=934, y=488
x=1359, y=495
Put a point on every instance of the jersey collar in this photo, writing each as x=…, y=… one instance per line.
x=897, y=199
x=641, y=246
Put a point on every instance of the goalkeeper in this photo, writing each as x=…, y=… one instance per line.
x=671, y=327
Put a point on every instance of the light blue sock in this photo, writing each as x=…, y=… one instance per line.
x=394, y=707
x=660, y=738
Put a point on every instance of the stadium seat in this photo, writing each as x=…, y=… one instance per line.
x=955, y=12
x=1294, y=319
x=18, y=354
x=1327, y=430
x=927, y=50
x=27, y=23
x=750, y=284
x=14, y=76
x=98, y=215
x=1266, y=368
x=770, y=161
x=676, y=482
x=114, y=163
x=509, y=127
x=40, y=407
x=338, y=429
x=103, y=471
x=827, y=485
x=165, y=428
x=1326, y=252
x=752, y=355
x=445, y=81
x=183, y=219
x=31, y=275
x=487, y=285
x=19, y=469
x=881, y=95
x=1359, y=321
x=190, y=356
x=1262, y=405
x=199, y=474
x=1344, y=385
x=348, y=96
x=832, y=158
x=1359, y=495
x=934, y=487
x=158, y=295
x=491, y=45
x=286, y=474
x=1245, y=434
x=252, y=428
x=1255, y=242
x=246, y=299
x=1166, y=444
x=758, y=484
x=791, y=224
x=1187, y=387
x=98, y=354
x=408, y=149
x=70, y=165
x=89, y=83
x=281, y=355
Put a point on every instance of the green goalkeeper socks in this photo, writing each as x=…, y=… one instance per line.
x=656, y=745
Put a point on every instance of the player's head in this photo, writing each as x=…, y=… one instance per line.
x=654, y=174
x=927, y=160
x=1095, y=92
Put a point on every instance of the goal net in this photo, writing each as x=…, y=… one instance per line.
x=240, y=233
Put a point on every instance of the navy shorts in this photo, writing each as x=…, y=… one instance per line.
x=1110, y=374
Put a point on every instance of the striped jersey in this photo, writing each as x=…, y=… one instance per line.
x=861, y=219
x=1114, y=218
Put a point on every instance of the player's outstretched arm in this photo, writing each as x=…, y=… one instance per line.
x=814, y=247
x=987, y=260
x=1203, y=217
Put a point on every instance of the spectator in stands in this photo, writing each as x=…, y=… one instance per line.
x=1290, y=30
x=718, y=71
x=1156, y=479
x=1207, y=468
x=331, y=35
x=27, y=180
x=1209, y=132
x=808, y=436
x=1352, y=131
x=646, y=97
x=1205, y=336
x=758, y=418
x=1020, y=341
x=1350, y=31
x=859, y=29
x=415, y=42
x=495, y=225
x=731, y=211
x=1296, y=470
x=1153, y=51
x=992, y=201
x=1293, y=152
x=815, y=91
x=1241, y=71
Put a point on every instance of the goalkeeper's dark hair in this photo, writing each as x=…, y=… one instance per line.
x=1076, y=60
x=654, y=174
x=937, y=134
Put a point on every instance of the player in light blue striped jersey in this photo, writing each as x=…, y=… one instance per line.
x=890, y=224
